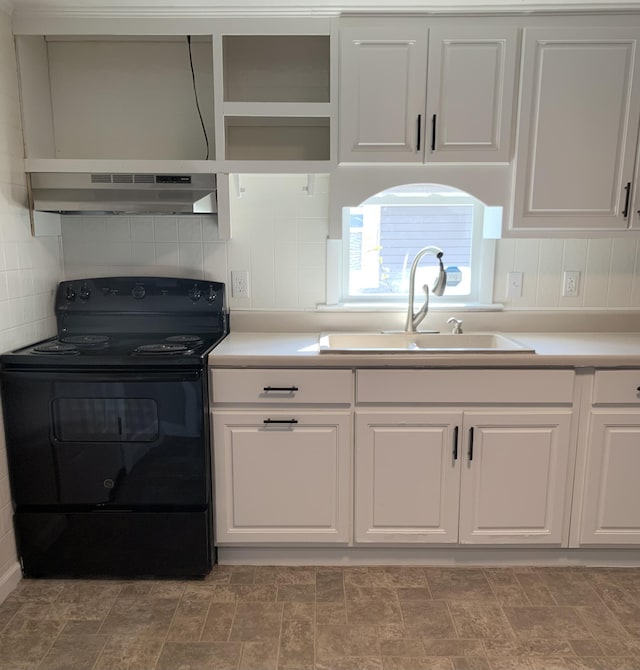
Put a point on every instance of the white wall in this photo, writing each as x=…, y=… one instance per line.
x=30, y=268
x=279, y=234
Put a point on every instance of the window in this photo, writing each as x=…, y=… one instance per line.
x=383, y=235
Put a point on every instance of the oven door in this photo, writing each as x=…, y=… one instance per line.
x=116, y=440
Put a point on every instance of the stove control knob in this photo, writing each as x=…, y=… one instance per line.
x=138, y=292
x=70, y=294
x=212, y=294
x=195, y=293
x=85, y=292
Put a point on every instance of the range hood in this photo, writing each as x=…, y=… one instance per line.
x=123, y=193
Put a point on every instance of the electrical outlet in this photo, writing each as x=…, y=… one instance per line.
x=240, y=283
x=514, y=285
x=571, y=283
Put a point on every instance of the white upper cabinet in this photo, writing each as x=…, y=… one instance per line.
x=383, y=73
x=470, y=93
x=578, y=126
x=116, y=98
x=248, y=95
x=393, y=108
x=274, y=95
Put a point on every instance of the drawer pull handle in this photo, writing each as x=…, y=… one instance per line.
x=287, y=389
x=470, y=453
x=455, y=443
x=288, y=421
x=638, y=389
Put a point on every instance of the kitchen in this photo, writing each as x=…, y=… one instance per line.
x=287, y=271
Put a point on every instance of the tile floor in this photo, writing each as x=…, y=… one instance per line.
x=307, y=618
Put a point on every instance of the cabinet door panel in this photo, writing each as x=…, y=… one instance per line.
x=611, y=507
x=471, y=90
x=514, y=478
x=578, y=128
x=282, y=482
x=382, y=93
x=407, y=479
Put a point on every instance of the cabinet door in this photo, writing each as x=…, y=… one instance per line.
x=514, y=477
x=611, y=500
x=577, y=130
x=282, y=476
x=407, y=477
x=383, y=74
x=470, y=94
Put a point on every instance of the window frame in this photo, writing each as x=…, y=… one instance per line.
x=482, y=257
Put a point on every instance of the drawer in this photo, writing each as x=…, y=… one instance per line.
x=465, y=386
x=268, y=387
x=616, y=387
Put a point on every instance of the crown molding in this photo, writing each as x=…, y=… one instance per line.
x=120, y=9
x=39, y=10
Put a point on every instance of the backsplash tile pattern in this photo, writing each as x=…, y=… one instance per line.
x=279, y=235
x=608, y=273
x=30, y=268
x=183, y=246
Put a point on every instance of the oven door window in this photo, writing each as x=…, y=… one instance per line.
x=105, y=419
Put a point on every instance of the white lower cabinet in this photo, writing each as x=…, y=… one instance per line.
x=282, y=476
x=610, y=502
x=434, y=466
x=407, y=478
x=514, y=476
x=470, y=477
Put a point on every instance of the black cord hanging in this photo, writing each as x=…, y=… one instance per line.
x=195, y=93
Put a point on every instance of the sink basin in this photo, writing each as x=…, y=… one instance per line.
x=404, y=343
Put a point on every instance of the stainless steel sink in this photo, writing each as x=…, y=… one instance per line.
x=420, y=343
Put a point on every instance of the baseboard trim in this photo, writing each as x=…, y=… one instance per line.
x=9, y=580
x=498, y=557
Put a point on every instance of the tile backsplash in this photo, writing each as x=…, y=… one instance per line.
x=279, y=233
x=184, y=246
x=30, y=267
x=279, y=229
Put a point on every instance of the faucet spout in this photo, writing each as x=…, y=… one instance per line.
x=415, y=319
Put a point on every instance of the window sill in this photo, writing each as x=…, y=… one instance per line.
x=395, y=307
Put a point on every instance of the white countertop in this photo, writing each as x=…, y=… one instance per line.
x=245, y=349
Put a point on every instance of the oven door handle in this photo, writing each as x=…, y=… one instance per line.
x=84, y=376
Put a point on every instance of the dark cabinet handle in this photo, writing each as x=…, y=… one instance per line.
x=470, y=452
x=287, y=421
x=455, y=443
x=289, y=389
x=433, y=133
x=625, y=211
x=638, y=389
x=419, y=142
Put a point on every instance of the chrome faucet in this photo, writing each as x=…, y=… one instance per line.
x=414, y=320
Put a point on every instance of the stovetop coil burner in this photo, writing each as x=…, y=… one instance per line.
x=87, y=341
x=185, y=339
x=57, y=349
x=162, y=349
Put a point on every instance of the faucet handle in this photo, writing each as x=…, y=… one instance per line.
x=457, y=325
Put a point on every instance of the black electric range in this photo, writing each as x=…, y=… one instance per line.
x=107, y=430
